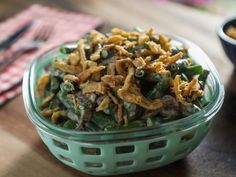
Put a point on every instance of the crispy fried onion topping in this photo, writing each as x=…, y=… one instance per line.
x=115, y=39
x=82, y=55
x=104, y=104
x=131, y=93
x=139, y=62
x=184, y=89
x=164, y=41
x=91, y=87
x=63, y=66
x=122, y=66
x=114, y=81
x=122, y=51
x=84, y=75
x=41, y=85
x=56, y=115
x=111, y=69
x=155, y=48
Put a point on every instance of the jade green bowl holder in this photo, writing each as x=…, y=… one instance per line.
x=119, y=152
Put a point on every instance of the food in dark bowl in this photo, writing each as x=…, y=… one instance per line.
x=121, y=80
x=231, y=32
x=227, y=35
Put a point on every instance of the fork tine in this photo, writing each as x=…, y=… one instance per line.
x=43, y=33
x=48, y=32
x=38, y=33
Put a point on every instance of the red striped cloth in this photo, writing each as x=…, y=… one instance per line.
x=67, y=26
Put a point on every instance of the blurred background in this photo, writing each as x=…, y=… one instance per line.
x=225, y=7
x=220, y=7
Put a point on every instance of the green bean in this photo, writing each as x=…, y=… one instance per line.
x=96, y=47
x=156, y=92
x=159, y=88
x=85, y=112
x=57, y=73
x=70, y=124
x=54, y=103
x=198, y=103
x=201, y=102
x=150, y=122
x=203, y=76
x=47, y=91
x=152, y=77
x=67, y=87
x=104, y=54
x=54, y=84
x=107, y=35
x=104, y=71
x=138, y=47
x=193, y=70
x=90, y=126
x=185, y=53
x=88, y=38
x=175, y=51
x=131, y=125
x=111, y=110
x=87, y=47
x=67, y=50
x=87, y=50
x=184, y=77
x=139, y=73
x=174, y=68
x=154, y=40
x=153, y=57
x=178, y=66
x=130, y=106
x=111, y=53
x=77, y=111
x=101, y=120
x=66, y=101
x=132, y=39
x=182, y=64
x=133, y=111
x=138, y=29
x=72, y=115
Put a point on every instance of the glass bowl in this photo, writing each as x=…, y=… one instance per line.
x=126, y=151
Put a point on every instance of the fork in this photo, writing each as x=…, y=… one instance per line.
x=41, y=36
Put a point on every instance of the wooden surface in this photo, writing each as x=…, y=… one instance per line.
x=23, y=154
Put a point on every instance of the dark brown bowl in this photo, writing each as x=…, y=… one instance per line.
x=228, y=43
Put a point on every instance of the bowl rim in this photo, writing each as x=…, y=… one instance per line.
x=206, y=113
x=221, y=32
